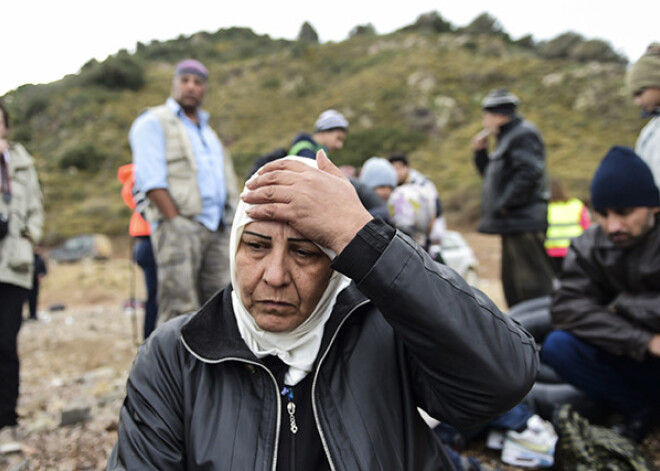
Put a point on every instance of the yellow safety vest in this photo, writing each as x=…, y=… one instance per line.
x=563, y=223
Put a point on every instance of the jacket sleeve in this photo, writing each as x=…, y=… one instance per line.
x=481, y=161
x=527, y=166
x=583, y=306
x=150, y=433
x=468, y=360
x=34, y=217
x=643, y=308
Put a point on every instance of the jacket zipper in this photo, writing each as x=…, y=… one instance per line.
x=316, y=375
x=277, y=390
x=293, y=426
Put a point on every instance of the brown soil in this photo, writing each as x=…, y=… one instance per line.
x=79, y=358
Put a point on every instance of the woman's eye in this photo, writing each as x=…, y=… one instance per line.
x=304, y=253
x=255, y=245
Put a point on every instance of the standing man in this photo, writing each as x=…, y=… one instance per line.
x=607, y=306
x=643, y=82
x=21, y=220
x=181, y=167
x=515, y=196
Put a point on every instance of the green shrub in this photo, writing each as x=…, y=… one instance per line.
x=526, y=42
x=83, y=157
x=362, y=30
x=430, y=22
x=561, y=46
x=595, y=50
x=117, y=73
x=365, y=143
x=485, y=24
x=308, y=34
x=271, y=83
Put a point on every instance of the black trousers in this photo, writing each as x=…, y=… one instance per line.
x=526, y=269
x=12, y=299
x=33, y=298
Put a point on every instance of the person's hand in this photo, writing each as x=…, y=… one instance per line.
x=320, y=203
x=480, y=141
x=654, y=345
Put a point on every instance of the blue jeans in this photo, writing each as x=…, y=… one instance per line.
x=144, y=257
x=630, y=387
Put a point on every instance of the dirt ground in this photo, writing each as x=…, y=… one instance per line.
x=74, y=361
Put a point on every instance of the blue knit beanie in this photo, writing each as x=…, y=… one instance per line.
x=378, y=172
x=623, y=180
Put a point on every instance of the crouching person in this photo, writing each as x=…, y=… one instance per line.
x=607, y=307
x=334, y=330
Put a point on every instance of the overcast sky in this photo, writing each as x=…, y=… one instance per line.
x=44, y=40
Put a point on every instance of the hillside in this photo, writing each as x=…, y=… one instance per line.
x=414, y=91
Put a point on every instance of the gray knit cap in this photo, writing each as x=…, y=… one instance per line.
x=330, y=119
x=377, y=171
x=646, y=72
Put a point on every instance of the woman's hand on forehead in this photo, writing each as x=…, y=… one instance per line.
x=320, y=203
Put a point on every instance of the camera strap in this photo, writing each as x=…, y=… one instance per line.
x=5, y=184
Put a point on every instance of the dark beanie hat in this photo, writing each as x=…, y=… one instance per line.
x=623, y=180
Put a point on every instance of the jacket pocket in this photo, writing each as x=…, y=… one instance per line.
x=21, y=256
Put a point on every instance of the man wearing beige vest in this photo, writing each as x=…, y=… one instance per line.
x=182, y=167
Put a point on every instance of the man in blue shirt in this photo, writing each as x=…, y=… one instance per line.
x=181, y=167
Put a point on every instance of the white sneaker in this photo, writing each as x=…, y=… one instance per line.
x=533, y=447
x=495, y=440
x=516, y=454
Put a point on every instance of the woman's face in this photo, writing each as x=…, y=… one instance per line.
x=281, y=275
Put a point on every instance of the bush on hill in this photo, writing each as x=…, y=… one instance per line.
x=117, y=72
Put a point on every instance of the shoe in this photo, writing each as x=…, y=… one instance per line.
x=495, y=440
x=9, y=442
x=533, y=447
x=516, y=454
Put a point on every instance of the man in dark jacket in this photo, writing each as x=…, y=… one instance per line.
x=228, y=387
x=515, y=196
x=607, y=307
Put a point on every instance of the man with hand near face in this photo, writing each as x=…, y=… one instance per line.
x=182, y=167
x=607, y=307
x=515, y=196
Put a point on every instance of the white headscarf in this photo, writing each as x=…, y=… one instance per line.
x=300, y=347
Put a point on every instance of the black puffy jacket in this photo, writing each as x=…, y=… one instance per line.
x=409, y=333
x=515, y=195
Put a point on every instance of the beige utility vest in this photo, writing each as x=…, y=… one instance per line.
x=181, y=167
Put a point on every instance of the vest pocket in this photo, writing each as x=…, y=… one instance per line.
x=21, y=256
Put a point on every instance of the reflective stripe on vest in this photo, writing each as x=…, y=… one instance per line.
x=300, y=145
x=563, y=223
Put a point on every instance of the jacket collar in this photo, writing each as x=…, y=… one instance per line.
x=212, y=335
x=176, y=108
x=506, y=127
x=18, y=157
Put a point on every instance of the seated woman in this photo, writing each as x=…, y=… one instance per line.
x=335, y=329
